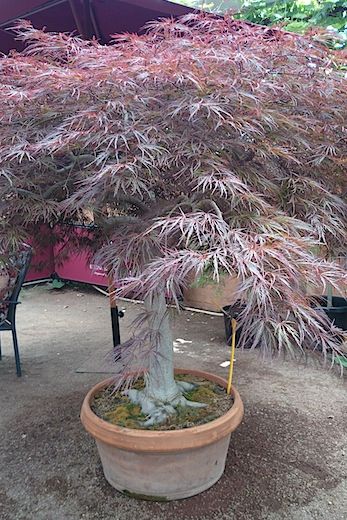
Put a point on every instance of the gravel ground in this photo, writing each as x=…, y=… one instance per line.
x=288, y=460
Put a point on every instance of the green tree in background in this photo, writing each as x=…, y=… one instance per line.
x=294, y=15
x=212, y=5
x=301, y=15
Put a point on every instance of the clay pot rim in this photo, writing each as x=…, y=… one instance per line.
x=163, y=440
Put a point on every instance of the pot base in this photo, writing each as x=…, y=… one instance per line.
x=164, y=476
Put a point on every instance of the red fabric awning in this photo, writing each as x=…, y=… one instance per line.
x=99, y=18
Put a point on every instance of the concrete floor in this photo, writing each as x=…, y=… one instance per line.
x=288, y=460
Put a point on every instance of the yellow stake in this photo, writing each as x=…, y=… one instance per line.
x=232, y=353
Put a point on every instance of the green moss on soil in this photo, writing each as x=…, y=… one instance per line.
x=119, y=410
x=127, y=415
x=201, y=394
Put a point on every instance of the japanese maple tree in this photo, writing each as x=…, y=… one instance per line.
x=205, y=147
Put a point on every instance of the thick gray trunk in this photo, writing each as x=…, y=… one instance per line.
x=160, y=383
x=161, y=394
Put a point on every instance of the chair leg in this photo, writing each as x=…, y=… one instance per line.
x=16, y=352
x=0, y=349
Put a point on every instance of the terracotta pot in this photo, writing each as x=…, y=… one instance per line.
x=212, y=297
x=163, y=465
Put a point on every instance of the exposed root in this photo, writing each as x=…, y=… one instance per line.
x=158, y=411
x=186, y=387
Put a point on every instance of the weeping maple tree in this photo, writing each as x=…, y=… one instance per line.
x=205, y=148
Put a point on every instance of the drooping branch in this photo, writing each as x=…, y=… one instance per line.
x=49, y=192
x=27, y=193
x=111, y=223
x=132, y=201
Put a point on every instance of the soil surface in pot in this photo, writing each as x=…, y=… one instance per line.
x=117, y=409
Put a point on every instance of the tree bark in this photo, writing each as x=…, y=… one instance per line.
x=160, y=382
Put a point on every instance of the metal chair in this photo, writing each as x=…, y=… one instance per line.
x=8, y=322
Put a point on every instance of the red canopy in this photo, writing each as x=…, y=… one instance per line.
x=89, y=18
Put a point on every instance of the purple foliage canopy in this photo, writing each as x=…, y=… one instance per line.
x=207, y=147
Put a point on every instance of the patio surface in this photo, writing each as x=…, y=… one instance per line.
x=288, y=460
